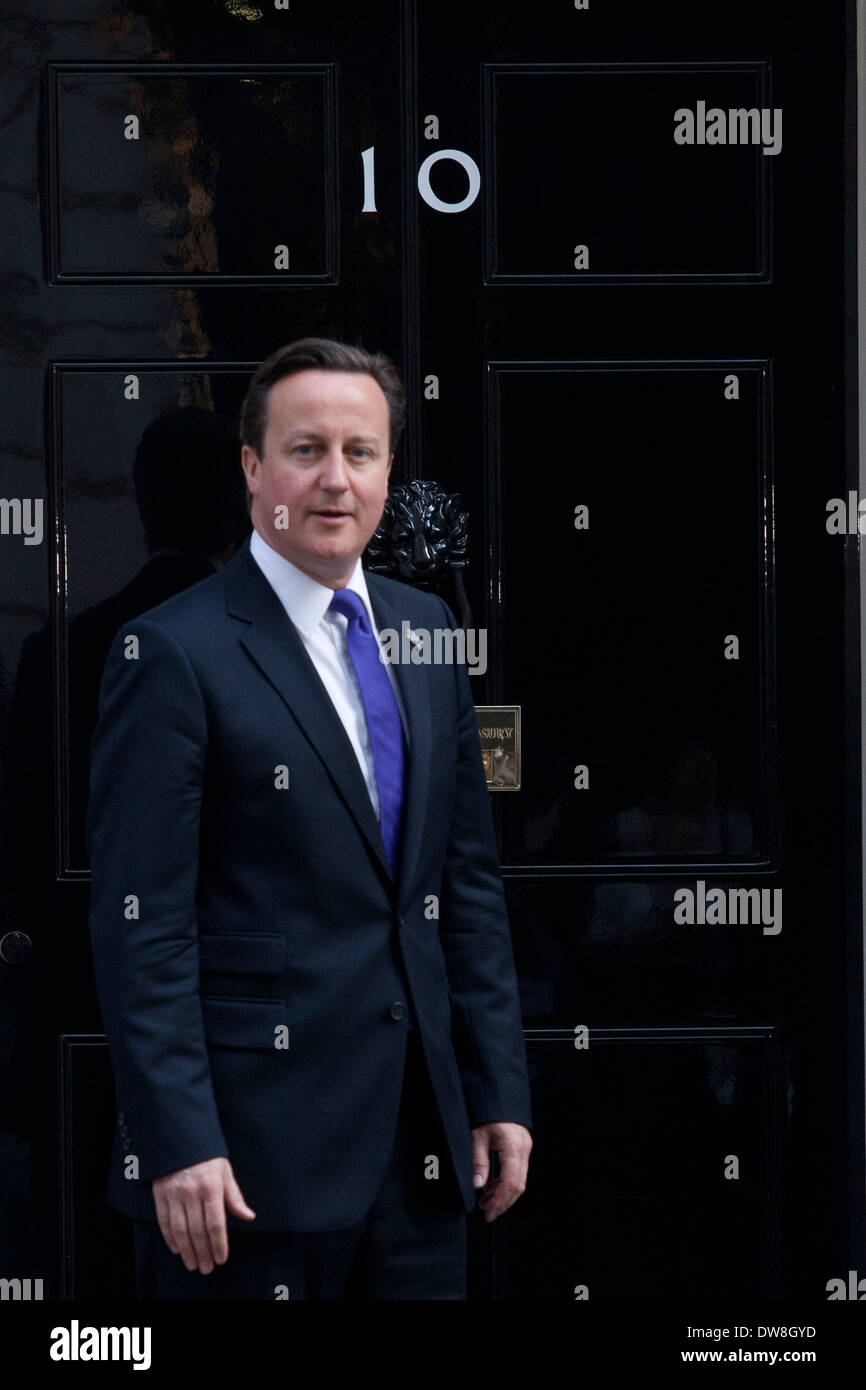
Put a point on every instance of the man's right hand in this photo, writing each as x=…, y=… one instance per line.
x=191, y=1209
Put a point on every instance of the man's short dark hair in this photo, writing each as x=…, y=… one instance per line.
x=323, y=354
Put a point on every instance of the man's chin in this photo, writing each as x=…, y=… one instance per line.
x=334, y=548
x=332, y=555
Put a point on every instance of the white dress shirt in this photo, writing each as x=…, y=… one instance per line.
x=323, y=634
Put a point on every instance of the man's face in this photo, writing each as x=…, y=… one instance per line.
x=326, y=460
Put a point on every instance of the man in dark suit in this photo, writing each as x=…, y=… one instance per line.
x=300, y=939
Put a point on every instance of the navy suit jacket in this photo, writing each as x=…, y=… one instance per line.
x=231, y=914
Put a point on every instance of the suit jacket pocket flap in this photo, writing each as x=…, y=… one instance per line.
x=242, y=953
x=243, y=1022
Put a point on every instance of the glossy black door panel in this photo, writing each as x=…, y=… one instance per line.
x=130, y=479
x=586, y=157
x=152, y=164
x=681, y=1197
x=652, y=527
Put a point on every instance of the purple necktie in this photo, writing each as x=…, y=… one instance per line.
x=383, y=717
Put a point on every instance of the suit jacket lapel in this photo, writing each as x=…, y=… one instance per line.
x=275, y=646
x=414, y=688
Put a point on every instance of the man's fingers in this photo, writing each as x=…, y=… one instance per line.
x=480, y=1158
x=180, y=1233
x=490, y=1201
x=163, y=1217
x=503, y=1191
x=512, y=1171
x=500, y=1195
x=191, y=1210
x=215, y=1224
x=235, y=1198
x=199, y=1235
x=497, y=1199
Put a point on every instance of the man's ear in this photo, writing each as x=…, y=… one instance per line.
x=249, y=461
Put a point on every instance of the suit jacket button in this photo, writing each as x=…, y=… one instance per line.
x=397, y=1010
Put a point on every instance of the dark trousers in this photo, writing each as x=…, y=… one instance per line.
x=410, y=1245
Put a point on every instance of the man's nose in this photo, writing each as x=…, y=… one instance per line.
x=332, y=470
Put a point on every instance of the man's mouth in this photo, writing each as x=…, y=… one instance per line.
x=332, y=515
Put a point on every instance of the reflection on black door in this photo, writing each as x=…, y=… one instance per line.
x=626, y=353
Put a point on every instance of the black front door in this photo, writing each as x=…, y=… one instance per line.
x=611, y=249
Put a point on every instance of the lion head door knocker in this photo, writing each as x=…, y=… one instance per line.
x=422, y=539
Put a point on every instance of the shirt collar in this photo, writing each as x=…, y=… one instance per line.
x=305, y=600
